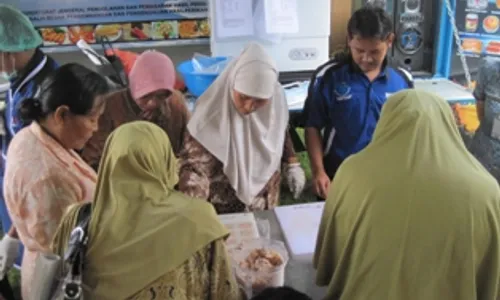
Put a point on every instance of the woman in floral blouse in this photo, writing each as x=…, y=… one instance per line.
x=237, y=139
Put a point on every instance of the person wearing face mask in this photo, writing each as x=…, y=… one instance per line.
x=25, y=66
x=43, y=174
x=236, y=140
x=346, y=95
x=151, y=96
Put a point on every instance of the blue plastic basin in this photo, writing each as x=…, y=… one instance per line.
x=197, y=84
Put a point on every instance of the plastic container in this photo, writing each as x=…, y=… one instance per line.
x=4, y=87
x=260, y=264
x=197, y=82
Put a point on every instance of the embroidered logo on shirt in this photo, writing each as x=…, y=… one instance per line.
x=343, y=92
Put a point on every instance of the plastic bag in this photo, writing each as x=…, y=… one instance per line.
x=296, y=92
x=264, y=228
x=127, y=58
x=47, y=268
x=260, y=264
x=203, y=64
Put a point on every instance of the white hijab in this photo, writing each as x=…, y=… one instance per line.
x=250, y=147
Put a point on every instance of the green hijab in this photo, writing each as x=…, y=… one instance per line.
x=140, y=227
x=412, y=216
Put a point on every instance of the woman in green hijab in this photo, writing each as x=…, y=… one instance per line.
x=428, y=228
x=145, y=238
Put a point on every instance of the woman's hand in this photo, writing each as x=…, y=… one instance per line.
x=147, y=114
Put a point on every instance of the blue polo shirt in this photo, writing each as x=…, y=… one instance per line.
x=346, y=105
x=26, y=85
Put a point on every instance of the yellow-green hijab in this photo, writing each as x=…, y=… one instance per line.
x=141, y=228
x=412, y=216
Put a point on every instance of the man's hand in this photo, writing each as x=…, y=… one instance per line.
x=320, y=181
x=9, y=250
x=321, y=184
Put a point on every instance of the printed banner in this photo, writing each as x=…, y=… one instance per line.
x=478, y=24
x=65, y=22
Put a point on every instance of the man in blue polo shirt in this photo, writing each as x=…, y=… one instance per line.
x=346, y=95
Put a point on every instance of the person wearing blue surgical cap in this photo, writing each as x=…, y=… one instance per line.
x=24, y=66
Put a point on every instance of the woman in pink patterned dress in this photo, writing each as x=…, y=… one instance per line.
x=44, y=175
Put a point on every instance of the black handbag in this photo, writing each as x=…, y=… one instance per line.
x=5, y=289
x=70, y=287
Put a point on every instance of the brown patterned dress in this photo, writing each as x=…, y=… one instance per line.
x=201, y=175
x=206, y=275
x=121, y=109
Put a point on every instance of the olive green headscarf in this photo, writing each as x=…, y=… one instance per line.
x=412, y=216
x=140, y=227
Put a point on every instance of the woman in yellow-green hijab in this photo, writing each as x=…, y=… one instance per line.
x=413, y=216
x=147, y=241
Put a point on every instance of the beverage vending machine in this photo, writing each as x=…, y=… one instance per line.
x=414, y=28
x=426, y=41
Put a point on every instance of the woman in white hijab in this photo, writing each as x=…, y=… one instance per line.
x=234, y=148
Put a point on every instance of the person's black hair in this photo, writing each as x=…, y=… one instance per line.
x=370, y=22
x=72, y=85
x=281, y=293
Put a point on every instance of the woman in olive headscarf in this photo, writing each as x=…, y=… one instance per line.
x=427, y=229
x=146, y=238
